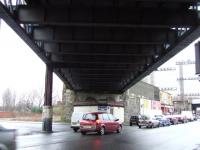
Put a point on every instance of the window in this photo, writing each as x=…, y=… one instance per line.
x=111, y=117
x=143, y=117
x=89, y=117
x=105, y=117
x=100, y=116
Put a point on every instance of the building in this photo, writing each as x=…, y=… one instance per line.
x=142, y=98
x=166, y=101
x=177, y=77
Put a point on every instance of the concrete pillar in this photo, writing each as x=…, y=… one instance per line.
x=47, y=114
x=68, y=98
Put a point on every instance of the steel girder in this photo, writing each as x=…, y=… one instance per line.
x=105, y=46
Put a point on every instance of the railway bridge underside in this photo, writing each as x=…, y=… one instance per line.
x=102, y=46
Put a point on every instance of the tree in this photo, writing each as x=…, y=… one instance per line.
x=25, y=103
x=31, y=101
x=9, y=99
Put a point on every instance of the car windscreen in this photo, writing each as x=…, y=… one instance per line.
x=89, y=117
x=144, y=117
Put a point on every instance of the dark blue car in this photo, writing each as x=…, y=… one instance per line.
x=163, y=120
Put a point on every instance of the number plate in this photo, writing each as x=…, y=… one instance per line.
x=74, y=123
x=87, y=127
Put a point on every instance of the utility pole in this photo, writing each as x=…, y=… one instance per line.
x=181, y=81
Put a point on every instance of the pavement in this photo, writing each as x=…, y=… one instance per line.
x=176, y=137
x=30, y=128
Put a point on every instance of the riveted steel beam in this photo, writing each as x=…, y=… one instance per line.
x=110, y=18
x=104, y=36
x=101, y=50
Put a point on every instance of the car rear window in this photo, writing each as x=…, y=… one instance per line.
x=134, y=117
x=89, y=117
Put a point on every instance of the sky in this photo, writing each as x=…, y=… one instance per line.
x=21, y=70
x=168, y=79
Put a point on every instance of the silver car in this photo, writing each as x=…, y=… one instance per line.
x=7, y=139
x=147, y=121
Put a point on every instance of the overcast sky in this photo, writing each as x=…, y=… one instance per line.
x=22, y=71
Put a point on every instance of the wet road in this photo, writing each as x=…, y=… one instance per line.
x=178, y=137
x=30, y=128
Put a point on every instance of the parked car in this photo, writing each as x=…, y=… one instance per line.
x=163, y=120
x=99, y=122
x=147, y=121
x=181, y=118
x=195, y=117
x=134, y=120
x=75, y=120
x=7, y=139
x=188, y=114
x=173, y=119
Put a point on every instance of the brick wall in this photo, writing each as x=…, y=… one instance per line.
x=7, y=115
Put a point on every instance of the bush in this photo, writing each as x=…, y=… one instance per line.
x=36, y=110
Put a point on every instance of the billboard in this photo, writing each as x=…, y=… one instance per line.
x=155, y=105
x=166, y=98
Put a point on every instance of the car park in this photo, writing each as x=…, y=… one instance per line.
x=148, y=121
x=100, y=122
x=134, y=120
x=7, y=139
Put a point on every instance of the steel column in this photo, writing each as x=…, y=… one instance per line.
x=47, y=114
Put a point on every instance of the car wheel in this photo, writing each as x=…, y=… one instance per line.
x=139, y=126
x=75, y=129
x=102, y=131
x=119, y=129
x=83, y=133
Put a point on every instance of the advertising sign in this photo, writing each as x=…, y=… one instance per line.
x=102, y=108
x=166, y=98
x=155, y=105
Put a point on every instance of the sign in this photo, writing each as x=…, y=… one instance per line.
x=196, y=101
x=102, y=108
x=166, y=98
x=155, y=105
x=146, y=104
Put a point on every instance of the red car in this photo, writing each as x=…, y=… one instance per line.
x=99, y=122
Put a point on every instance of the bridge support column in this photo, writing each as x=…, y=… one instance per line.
x=47, y=114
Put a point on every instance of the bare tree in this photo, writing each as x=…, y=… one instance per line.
x=37, y=97
x=31, y=100
x=40, y=98
x=25, y=103
x=9, y=99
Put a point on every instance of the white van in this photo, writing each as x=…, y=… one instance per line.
x=75, y=120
